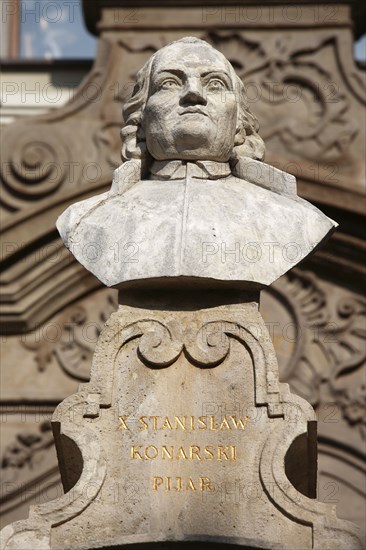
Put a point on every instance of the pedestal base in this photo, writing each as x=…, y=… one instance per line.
x=184, y=434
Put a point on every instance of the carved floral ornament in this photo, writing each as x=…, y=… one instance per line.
x=27, y=446
x=330, y=345
x=70, y=338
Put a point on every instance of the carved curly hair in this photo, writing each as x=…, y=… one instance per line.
x=248, y=143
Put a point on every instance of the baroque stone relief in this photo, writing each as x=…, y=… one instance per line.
x=70, y=338
x=24, y=450
x=60, y=159
x=327, y=343
x=28, y=464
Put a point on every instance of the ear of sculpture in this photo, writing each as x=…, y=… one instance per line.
x=134, y=148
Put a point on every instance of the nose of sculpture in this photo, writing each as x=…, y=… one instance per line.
x=193, y=93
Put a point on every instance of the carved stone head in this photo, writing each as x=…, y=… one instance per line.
x=189, y=104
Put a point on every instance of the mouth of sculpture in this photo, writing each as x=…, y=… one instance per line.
x=193, y=111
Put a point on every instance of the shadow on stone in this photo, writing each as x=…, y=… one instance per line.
x=303, y=451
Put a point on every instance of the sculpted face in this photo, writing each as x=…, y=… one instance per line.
x=191, y=111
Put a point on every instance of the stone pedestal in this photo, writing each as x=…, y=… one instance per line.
x=185, y=434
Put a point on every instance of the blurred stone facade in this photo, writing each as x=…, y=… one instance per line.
x=309, y=96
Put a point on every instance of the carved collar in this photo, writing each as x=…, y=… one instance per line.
x=180, y=169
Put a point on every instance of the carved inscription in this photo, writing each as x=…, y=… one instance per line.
x=178, y=484
x=192, y=452
x=190, y=423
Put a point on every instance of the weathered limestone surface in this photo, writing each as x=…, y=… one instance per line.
x=154, y=448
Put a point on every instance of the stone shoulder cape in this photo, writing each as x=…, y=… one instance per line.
x=193, y=229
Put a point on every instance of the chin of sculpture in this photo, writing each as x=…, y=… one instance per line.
x=194, y=222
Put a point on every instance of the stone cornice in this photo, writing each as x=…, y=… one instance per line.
x=128, y=12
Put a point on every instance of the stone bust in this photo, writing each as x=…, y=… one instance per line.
x=192, y=202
